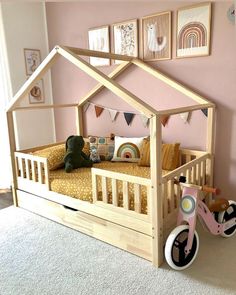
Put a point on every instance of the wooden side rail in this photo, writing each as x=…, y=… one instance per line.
x=32, y=168
x=109, y=188
x=195, y=172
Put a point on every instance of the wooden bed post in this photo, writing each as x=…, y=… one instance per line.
x=12, y=142
x=210, y=145
x=79, y=120
x=156, y=196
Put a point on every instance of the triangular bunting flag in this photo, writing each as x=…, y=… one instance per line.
x=145, y=120
x=98, y=110
x=86, y=106
x=185, y=116
x=205, y=112
x=128, y=117
x=113, y=114
x=164, y=119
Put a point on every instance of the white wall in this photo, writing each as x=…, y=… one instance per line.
x=25, y=27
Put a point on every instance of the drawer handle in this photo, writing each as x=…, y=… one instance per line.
x=69, y=208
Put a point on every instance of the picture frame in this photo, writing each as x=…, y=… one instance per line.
x=193, y=30
x=36, y=94
x=156, y=36
x=125, y=38
x=32, y=60
x=99, y=40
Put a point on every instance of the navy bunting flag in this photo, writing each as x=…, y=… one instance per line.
x=205, y=112
x=129, y=117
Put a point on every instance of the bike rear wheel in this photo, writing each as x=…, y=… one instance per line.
x=175, y=246
x=227, y=215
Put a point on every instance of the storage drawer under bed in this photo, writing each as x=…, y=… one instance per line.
x=112, y=233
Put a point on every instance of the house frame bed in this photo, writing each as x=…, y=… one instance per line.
x=131, y=230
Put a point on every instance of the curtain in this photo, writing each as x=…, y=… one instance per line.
x=5, y=94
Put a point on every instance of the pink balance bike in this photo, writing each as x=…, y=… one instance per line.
x=182, y=243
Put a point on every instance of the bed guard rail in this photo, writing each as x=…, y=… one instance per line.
x=32, y=168
x=113, y=186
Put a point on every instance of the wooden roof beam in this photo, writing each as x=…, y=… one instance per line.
x=36, y=76
x=93, y=53
x=185, y=109
x=113, y=86
x=176, y=85
x=118, y=70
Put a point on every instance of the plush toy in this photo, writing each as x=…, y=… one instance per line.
x=94, y=156
x=75, y=157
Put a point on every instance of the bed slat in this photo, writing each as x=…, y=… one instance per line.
x=114, y=192
x=125, y=195
x=137, y=198
x=95, y=188
x=104, y=190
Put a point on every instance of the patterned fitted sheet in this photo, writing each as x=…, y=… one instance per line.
x=78, y=183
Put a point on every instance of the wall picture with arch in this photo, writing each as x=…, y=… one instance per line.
x=156, y=36
x=193, y=31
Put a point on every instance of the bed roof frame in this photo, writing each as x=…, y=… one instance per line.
x=73, y=55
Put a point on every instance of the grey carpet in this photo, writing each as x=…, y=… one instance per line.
x=39, y=256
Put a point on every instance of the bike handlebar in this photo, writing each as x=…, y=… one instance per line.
x=207, y=189
x=213, y=190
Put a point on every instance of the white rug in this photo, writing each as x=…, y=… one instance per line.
x=41, y=257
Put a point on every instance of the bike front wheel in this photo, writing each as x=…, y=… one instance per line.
x=226, y=215
x=175, y=246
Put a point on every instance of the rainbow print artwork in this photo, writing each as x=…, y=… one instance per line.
x=128, y=150
x=193, y=34
x=193, y=31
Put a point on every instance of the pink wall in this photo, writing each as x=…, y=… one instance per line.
x=213, y=76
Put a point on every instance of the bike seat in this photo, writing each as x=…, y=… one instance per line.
x=219, y=205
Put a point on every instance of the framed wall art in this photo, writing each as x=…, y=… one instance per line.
x=32, y=60
x=36, y=94
x=98, y=39
x=193, y=31
x=156, y=36
x=125, y=38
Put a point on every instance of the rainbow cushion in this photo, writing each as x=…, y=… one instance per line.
x=127, y=149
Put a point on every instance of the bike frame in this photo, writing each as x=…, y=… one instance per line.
x=192, y=206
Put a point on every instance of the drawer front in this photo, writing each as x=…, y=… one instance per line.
x=114, y=234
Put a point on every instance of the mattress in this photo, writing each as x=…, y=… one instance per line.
x=77, y=184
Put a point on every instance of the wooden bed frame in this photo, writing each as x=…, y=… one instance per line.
x=140, y=234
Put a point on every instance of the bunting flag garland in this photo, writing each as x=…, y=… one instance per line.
x=185, y=116
x=113, y=114
x=98, y=110
x=164, y=119
x=128, y=117
x=145, y=120
x=205, y=112
x=86, y=106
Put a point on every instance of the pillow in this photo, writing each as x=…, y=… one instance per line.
x=55, y=154
x=104, y=146
x=170, y=155
x=145, y=153
x=127, y=149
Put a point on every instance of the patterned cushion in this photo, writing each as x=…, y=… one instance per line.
x=127, y=149
x=170, y=155
x=55, y=154
x=104, y=146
